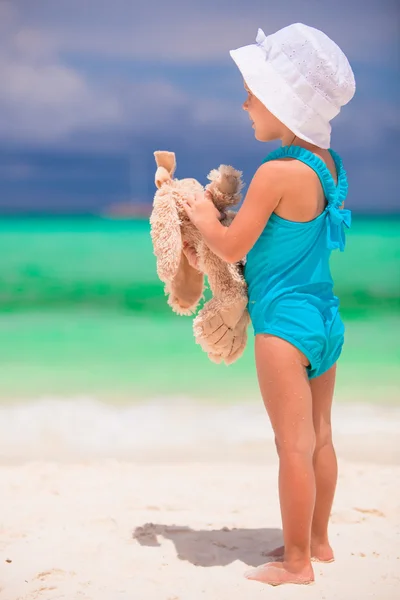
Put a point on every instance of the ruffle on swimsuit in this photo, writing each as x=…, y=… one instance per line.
x=287, y=271
x=337, y=218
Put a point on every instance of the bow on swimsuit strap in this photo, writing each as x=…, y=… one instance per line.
x=336, y=221
x=337, y=218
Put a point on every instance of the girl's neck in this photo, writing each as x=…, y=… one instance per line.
x=290, y=139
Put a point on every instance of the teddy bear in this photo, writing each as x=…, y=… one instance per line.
x=220, y=327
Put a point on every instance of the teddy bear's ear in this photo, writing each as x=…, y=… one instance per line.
x=166, y=235
x=225, y=187
x=166, y=164
x=167, y=160
x=227, y=179
x=161, y=177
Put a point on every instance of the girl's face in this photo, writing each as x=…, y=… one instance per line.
x=266, y=126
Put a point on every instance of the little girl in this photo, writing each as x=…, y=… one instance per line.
x=292, y=217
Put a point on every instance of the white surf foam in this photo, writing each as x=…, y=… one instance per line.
x=55, y=428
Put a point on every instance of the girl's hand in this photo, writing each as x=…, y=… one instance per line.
x=201, y=210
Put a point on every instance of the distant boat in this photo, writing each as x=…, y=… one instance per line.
x=128, y=210
x=139, y=178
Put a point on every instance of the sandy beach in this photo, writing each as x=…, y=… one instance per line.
x=184, y=520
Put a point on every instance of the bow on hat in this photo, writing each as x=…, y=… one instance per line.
x=261, y=41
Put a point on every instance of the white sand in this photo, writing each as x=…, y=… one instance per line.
x=185, y=523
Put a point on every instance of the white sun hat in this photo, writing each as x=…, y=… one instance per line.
x=301, y=76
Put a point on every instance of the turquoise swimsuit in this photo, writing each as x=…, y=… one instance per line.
x=287, y=271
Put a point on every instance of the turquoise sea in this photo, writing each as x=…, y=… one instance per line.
x=82, y=313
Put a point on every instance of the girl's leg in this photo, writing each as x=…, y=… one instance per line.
x=325, y=464
x=325, y=467
x=287, y=397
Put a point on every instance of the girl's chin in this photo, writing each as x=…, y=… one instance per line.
x=260, y=138
x=258, y=135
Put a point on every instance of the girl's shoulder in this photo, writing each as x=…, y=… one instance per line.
x=302, y=177
x=325, y=163
x=286, y=171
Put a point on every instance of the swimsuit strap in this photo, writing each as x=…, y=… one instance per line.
x=335, y=194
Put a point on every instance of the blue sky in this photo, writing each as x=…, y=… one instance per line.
x=90, y=89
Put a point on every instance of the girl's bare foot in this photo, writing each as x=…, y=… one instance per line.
x=320, y=552
x=278, y=573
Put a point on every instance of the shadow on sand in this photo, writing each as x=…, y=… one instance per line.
x=216, y=547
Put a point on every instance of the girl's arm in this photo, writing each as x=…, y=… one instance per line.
x=234, y=242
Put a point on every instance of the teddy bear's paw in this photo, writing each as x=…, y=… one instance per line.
x=238, y=347
x=214, y=315
x=224, y=344
x=239, y=341
x=206, y=325
x=231, y=352
x=215, y=358
x=221, y=346
x=213, y=334
x=222, y=338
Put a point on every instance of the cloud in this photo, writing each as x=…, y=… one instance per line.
x=188, y=32
x=125, y=78
x=46, y=101
x=55, y=89
x=41, y=98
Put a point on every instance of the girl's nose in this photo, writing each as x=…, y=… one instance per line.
x=244, y=105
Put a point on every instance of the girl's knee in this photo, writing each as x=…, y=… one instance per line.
x=323, y=437
x=297, y=445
